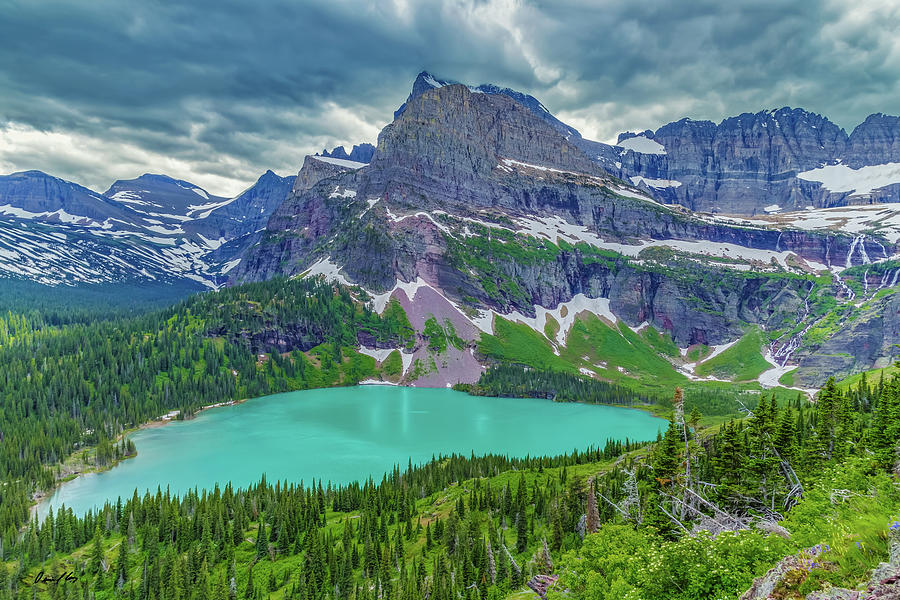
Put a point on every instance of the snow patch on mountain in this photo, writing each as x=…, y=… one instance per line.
x=60, y=214
x=642, y=144
x=337, y=193
x=655, y=183
x=860, y=182
x=230, y=265
x=328, y=269
x=555, y=228
x=877, y=219
x=350, y=164
x=206, y=208
x=379, y=354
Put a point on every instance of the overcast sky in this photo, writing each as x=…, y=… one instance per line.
x=218, y=91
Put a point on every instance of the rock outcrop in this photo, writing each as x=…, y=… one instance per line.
x=754, y=163
x=883, y=584
x=875, y=141
x=315, y=169
x=541, y=583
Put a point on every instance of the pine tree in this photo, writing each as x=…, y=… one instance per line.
x=131, y=534
x=249, y=591
x=203, y=591
x=122, y=565
x=262, y=544
x=786, y=436
x=521, y=533
x=665, y=458
x=96, y=561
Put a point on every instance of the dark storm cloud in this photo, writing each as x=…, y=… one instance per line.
x=220, y=91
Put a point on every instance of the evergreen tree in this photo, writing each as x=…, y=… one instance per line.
x=262, y=543
x=96, y=560
x=122, y=565
x=521, y=533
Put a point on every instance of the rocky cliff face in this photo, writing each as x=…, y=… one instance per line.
x=315, y=169
x=480, y=199
x=749, y=164
x=426, y=81
x=744, y=165
x=769, y=161
x=875, y=141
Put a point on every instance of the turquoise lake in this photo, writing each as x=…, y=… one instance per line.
x=346, y=434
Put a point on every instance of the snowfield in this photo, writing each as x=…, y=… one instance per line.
x=860, y=182
x=643, y=145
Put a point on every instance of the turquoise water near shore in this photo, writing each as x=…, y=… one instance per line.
x=346, y=434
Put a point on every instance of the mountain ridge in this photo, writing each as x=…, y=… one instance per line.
x=482, y=206
x=494, y=216
x=153, y=228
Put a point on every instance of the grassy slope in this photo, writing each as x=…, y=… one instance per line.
x=629, y=358
x=872, y=375
x=613, y=353
x=742, y=362
x=639, y=361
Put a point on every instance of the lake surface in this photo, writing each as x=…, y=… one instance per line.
x=346, y=434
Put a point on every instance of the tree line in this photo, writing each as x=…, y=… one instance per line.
x=79, y=385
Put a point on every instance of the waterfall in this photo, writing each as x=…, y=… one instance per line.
x=849, y=262
x=866, y=282
x=862, y=250
x=783, y=354
x=894, y=280
x=850, y=293
x=858, y=242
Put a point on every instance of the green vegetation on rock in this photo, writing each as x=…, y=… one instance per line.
x=741, y=362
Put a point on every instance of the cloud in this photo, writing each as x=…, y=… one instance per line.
x=217, y=92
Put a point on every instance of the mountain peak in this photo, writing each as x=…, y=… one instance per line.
x=359, y=153
x=472, y=132
x=423, y=82
x=426, y=81
x=31, y=173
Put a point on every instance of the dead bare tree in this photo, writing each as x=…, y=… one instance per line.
x=715, y=521
x=593, y=514
x=632, y=497
x=492, y=565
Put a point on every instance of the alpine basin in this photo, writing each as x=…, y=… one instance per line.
x=346, y=434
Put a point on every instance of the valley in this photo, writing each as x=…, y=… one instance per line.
x=482, y=356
